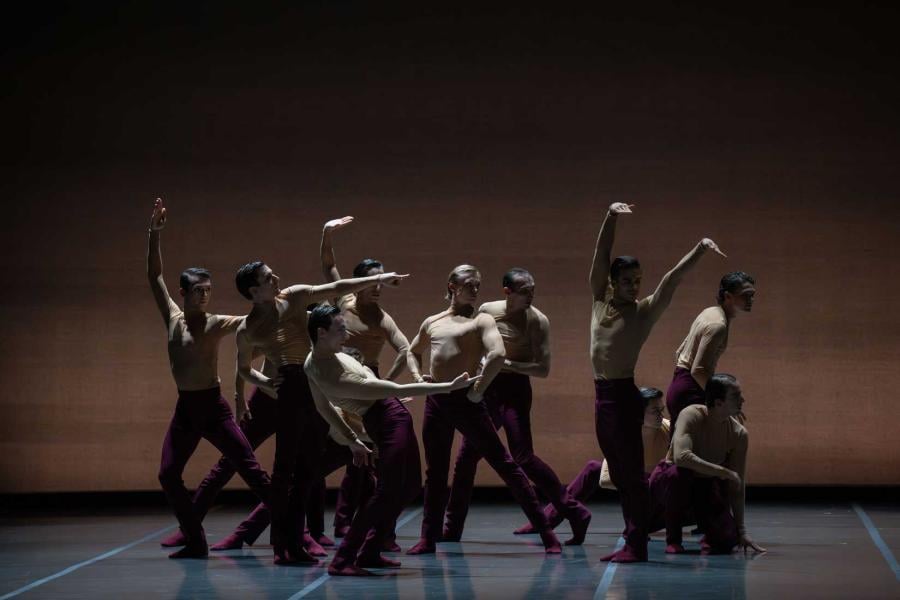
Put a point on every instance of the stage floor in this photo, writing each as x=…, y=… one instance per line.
x=815, y=551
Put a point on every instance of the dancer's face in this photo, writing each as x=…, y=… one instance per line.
x=627, y=286
x=734, y=400
x=370, y=295
x=653, y=414
x=334, y=337
x=198, y=296
x=741, y=300
x=465, y=292
x=521, y=294
x=266, y=287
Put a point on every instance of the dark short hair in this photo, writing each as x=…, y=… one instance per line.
x=192, y=275
x=365, y=265
x=622, y=263
x=650, y=393
x=321, y=316
x=247, y=277
x=510, y=277
x=717, y=387
x=732, y=282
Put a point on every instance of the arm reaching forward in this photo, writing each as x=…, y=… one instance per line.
x=670, y=281
x=154, y=263
x=600, y=267
x=493, y=360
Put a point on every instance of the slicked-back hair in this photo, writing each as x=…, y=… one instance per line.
x=622, y=263
x=192, y=275
x=457, y=274
x=717, y=387
x=732, y=282
x=321, y=316
x=366, y=264
x=513, y=275
x=247, y=277
x=650, y=393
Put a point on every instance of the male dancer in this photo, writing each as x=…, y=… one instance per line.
x=696, y=358
x=201, y=412
x=368, y=327
x=620, y=324
x=277, y=325
x=655, y=434
x=458, y=342
x=526, y=340
x=706, y=473
x=336, y=379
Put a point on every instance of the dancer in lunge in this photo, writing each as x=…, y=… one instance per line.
x=201, y=412
x=459, y=339
x=620, y=324
x=337, y=380
x=526, y=340
x=696, y=358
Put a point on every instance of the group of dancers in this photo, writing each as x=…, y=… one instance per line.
x=319, y=392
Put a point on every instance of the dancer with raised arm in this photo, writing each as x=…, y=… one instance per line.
x=459, y=339
x=337, y=380
x=696, y=358
x=200, y=412
x=526, y=340
x=620, y=324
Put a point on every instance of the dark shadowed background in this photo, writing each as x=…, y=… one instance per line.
x=496, y=136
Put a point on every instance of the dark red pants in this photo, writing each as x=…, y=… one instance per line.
x=683, y=391
x=443, y=414
x=508, y=401
x=398, y=480
x=581, y=488
x=682, y=498
x=204, y=414
x=619, y=414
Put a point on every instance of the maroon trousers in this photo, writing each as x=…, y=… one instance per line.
x=619, y=414
x=683, y=391
x=508, y=401
x=398, y=481
x=581, y=489
x=443, y=414
x=204, y=414
x=682, y=498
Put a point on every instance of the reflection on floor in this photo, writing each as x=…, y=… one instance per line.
x=815, y=551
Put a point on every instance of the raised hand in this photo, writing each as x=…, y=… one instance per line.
x=335, y=224
x=620, y=208
x=747, y=544
x=392, y=279
x=708, y=244
x=158, y=218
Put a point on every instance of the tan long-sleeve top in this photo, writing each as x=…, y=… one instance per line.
x=517, y=330
x=369, y=330
x=705, y=342
x=194, y=347
x=456, y=344
x=618, y=331
x=705, y=445
x=281, y=332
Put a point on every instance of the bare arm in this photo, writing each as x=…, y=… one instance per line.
x=737, y=462
x=154, y=263
x=398, y=342
x=245, y=365
x=600, y=267
x=493, y=360
x=240, y=403
x=375, y=389
x=671, y=280
x=414, y=356
x=683, y=450
x=326, y=250
x=705, y=361
x=540, y=348
x=342, y=287
x=605, y=479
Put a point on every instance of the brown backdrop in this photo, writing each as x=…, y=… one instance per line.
x=495, y=138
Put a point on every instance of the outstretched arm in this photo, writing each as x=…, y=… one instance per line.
x=329, y=267
x=603, y=250
x=341, y=287
x=154, y=263
x=353, y=386
x=540, y=349
x=493, y=360
x=670, y=281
